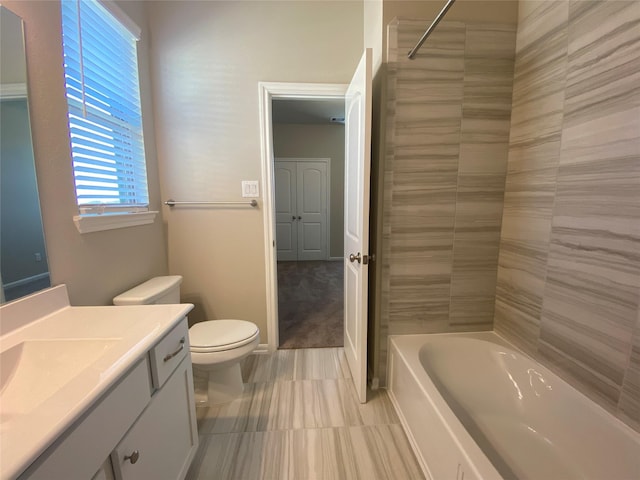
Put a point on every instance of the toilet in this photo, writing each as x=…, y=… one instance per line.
x=217, y=346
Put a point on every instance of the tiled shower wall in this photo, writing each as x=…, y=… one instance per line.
x=448, y=116
x=568, y=286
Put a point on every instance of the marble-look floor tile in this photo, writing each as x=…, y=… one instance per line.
x=320, y=364
x=247, y=413
x=312, y=404
x=278, y=366
x=370, y=452
x=296, y=364
x=302, y=429
x=241, y=456
x=287, y=405
x=373, y=452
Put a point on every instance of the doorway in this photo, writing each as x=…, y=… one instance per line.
x=357, y=96
x=304, y=207
x=308, y=142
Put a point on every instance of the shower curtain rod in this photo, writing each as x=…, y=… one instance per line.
x=433, y=25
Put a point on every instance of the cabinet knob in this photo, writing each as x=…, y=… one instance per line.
x=133, y=458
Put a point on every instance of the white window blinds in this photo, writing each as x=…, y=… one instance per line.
x=103, y=96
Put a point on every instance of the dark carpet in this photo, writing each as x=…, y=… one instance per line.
x=310, y=304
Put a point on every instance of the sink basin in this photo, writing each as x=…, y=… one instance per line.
x=34, y=370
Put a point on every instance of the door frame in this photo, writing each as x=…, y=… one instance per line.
x=267, y=91
x=327, y=206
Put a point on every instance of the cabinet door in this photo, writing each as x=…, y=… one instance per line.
x=105, y=472
x=162, y=443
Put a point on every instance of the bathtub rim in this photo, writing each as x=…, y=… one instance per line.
x=463, y=439
x=467, y=446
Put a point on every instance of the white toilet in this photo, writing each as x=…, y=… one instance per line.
x=217, y=346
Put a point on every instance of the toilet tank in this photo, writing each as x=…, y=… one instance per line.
x=155, y=291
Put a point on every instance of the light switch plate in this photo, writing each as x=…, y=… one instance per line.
x=250, y=188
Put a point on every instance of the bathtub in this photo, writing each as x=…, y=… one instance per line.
x=474, y=407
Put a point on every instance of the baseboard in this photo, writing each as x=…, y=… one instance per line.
x=262, y=349
x=336, y=259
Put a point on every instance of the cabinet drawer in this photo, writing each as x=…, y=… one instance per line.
x=168, y=353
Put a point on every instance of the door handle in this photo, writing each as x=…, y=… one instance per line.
x=299, y=217
x=354, y=258
x=293, y=217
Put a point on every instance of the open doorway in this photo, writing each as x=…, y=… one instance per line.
x=358, y=105
x=308, y=172
x=294, y=142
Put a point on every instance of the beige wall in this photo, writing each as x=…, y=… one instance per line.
x=99, y=265
x=373, y=27
x=318, y=141
x=208, y=58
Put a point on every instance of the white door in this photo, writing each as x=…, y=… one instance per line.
x=301, y=189
x=286, y=213
x=312, y=210
x=356, y=221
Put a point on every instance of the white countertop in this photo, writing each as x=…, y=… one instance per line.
x=130, y=330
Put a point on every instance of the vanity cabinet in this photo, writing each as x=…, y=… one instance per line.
x=160, y=445
x=143, y=427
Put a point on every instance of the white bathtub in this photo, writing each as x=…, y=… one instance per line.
x=474, y=407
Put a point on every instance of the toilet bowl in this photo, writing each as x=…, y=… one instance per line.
x=234, y=340
x=216, y=346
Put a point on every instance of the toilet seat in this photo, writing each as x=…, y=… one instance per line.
x=221, y=335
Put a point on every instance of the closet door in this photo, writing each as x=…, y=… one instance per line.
x=286, y=213
x=312, y=210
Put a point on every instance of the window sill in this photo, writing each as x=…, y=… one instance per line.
x=111, y=221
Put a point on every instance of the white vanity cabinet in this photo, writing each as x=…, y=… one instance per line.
x=160, y=445
x=144, y=427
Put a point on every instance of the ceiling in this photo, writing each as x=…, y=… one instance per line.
x=308, y=111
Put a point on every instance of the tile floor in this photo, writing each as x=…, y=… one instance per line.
x=299, y=419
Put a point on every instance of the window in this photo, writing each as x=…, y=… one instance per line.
x=103, y=97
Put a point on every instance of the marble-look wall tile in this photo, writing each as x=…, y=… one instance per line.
x=423, y=146
x=475, y=251
x=534, y=151
x=593, y=274
x=569, y=267
x=448, y=114
x=629, y=404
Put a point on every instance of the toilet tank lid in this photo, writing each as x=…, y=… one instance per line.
x=149, y=291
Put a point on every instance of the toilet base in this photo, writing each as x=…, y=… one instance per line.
x=223, y=385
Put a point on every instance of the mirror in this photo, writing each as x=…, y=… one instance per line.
x=23, y=261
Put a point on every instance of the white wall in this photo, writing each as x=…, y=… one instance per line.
x=207, y=60
x=95, y=266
